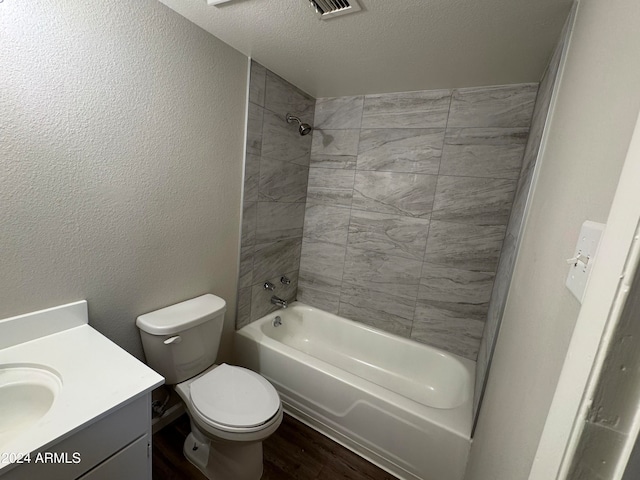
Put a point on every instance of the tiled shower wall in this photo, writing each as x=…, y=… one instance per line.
x=408, y=199
x=275, y=191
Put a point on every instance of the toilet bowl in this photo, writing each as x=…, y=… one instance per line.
x=231, y=409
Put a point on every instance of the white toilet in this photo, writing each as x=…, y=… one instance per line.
x=232, y=409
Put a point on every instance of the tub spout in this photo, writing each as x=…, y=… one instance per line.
x=279, y=302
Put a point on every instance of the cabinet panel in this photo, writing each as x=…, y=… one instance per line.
x=130, y=463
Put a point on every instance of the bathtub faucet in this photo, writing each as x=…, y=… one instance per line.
x=279, y=302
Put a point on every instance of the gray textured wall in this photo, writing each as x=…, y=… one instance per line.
x=408, y=200
x=120, y=161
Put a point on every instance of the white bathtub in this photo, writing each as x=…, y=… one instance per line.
x=402, y=405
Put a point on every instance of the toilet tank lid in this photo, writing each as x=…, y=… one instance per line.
x=181, y=316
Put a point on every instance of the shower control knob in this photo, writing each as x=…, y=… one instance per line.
x=285, y=281
x=269, y=286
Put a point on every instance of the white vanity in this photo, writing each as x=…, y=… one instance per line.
x=73, y=405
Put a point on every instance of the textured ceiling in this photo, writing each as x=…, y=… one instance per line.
x=391, y=45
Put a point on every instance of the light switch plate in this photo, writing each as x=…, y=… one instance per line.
x=584, y=257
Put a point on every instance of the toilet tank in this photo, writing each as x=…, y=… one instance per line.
x=182, y=340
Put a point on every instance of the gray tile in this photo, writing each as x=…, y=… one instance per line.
x=347, y=162
x=484, y=152
x=423, y=109
x=411, y=150
x=282, y=181
x=281, y=97
x=261, y=299
x=249, y=222
x=499, y=106
x=382, y=273
x=389, y=234
x=598, y=452
x=335, y=142
x=324, y=223
x=276, y=258
x=394, y=193
x=281, y=141
x=381, y=310
x=246, y=266
x=278, y=220
x=467, y=247
x=330, y=186
x=472, y=200
x=455, y=286
x=257, y=81
x=436, y=326
x=251, y=178
x=309, y=294
x=244, y=308
x=338, y=112
x=255, y=118
x=322, y=265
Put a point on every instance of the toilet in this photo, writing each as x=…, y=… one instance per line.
x=231, y=409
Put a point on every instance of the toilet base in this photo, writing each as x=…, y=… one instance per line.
x=224, y=461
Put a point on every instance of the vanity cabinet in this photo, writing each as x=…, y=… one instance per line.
x=116, y=446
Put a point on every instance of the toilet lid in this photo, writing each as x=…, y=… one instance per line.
x=235, y=397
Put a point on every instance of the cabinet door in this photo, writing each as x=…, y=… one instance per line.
x=130, y=463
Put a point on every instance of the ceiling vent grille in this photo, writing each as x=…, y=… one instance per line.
x=327, y=9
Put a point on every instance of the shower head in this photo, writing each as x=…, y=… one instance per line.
x=303, y=128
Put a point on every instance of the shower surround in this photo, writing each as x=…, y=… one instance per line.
x=392, y=213
x=408, y=199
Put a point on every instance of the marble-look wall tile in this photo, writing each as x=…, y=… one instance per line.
x=378, y=309
x=281, y=141
x=251, y=178
x=483, y=152
x=322, y=266
x=410, y=150
x=394, y=193
x=282, y=181
x=473, y=200
x=309, y=294
x=249, y=222
x=281, y=98
x=246, y=266
x=469, y=247
x=324, y=223
x=435, y=327
x=273, y=259
x=255, y=117
x=338, y=112
x=261, y=299
x=383, y=273
x=335, y=142
x=243, y=316
x=278, y=221
x=257, y=83
x=389, y=234
x=330, y=186
x=500, y=106
x=453, y=285
x=422, y=109
x=321, y=160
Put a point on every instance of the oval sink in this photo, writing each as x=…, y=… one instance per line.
x=27, y=393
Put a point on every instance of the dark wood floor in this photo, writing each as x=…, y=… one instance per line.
x=294, y=452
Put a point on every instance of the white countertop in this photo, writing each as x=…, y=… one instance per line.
x=97, y=375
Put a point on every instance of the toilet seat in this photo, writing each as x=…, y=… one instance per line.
x=234, y=399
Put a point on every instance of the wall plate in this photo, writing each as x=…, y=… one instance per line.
x=584, y=257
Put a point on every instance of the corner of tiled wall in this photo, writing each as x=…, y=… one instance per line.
x=275, y=191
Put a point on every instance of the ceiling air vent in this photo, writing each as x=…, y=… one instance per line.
x=327, y=9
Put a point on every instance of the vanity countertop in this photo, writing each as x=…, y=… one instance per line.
x=96, y=375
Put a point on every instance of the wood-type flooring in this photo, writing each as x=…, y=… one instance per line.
x=294, y=452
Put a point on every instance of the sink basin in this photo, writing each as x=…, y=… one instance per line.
x=27, y=393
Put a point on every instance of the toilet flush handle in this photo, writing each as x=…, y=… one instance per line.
x=175, y=339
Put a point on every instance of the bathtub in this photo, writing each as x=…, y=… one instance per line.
x=404, y=406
